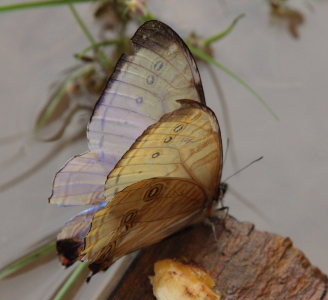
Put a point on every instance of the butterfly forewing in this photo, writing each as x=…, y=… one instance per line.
x=144, y=86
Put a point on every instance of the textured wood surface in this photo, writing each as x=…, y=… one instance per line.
x=245, y=263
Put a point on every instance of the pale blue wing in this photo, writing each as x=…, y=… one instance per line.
x=144, y=86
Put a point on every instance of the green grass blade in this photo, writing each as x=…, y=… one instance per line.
x=38, y=4
x=224, y=33
x=27, y=259
x=71, y=280
x=214, y=62
x=105, y=61
x=82, y=25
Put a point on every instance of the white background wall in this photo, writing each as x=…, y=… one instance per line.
x=288, y=186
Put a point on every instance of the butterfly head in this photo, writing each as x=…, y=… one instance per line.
x=222, y=191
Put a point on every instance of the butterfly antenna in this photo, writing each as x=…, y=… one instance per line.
x=242, y=169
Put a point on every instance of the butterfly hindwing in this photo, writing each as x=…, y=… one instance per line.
x=143, y=214
x=81, y=180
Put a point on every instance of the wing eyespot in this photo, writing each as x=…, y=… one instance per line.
x=167, y=139
x=153, y=192
x=129, y=217
x=172, y=49
x=156, y=154
x=178, y=128
x=128, y=220
x=107, y=250
x=139, y=100
x=158, y=65
x=150, y=79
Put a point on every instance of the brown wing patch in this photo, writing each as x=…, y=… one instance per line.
x=141, y=215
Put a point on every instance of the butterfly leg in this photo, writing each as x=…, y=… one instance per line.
x=216, y=218
x=222, y=213
x=211, y=222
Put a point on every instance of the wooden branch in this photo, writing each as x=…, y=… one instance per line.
x=244, y=262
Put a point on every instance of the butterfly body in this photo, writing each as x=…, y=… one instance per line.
x=151, y=173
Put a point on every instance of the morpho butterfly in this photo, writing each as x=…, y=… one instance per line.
x=155, y=158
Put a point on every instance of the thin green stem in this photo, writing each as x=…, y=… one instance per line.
x=82, y=25
x=28, y=259
x=103, y=57
x=71, y=280
x=37, y=4
x=224, y=33
x=214, y=62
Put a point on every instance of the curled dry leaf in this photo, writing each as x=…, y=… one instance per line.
x=78, y=91
x=174, y=280
x=294, y=18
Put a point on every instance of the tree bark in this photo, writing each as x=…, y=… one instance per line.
x=245, y=264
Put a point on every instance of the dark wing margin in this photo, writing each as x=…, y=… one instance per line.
x=156, y=31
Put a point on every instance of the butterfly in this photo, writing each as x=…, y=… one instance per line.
x=155, y=158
